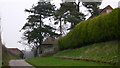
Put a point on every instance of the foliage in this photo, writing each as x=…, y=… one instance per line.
x=104, y=27
x=93, y=8
x=103, y=52
x=35, y=29
x=68, y=13
x=51, y=61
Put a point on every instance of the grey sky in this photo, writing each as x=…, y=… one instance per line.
x=13, y=18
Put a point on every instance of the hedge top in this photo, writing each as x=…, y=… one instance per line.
x=104, y=27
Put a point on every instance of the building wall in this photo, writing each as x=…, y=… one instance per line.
x=106, y=9
x=45, y=50
x=48, y=50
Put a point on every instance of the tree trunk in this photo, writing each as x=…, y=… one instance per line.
x=78, y=8
x=60, y=27
x=40, y=28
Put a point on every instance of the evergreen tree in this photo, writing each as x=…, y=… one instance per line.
x=68, y=12
x=35, y=29
x=93, y=8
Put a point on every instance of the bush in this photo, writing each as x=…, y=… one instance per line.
x=104, y=27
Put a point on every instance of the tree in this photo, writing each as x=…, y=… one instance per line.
x=93, y=8
x=35, y=29
x=68, y=12
x=72, y=14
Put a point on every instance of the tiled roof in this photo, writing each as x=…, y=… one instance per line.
x=49, y=40
x=105, y=8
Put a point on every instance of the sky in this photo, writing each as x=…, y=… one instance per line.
x=13, y=18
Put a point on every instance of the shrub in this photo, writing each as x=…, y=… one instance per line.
x=104, y=27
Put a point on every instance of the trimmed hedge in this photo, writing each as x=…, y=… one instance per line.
x=104, y=27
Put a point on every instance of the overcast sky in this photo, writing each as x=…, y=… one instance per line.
x=13, y=18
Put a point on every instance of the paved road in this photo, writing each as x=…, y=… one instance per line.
x=19, y=64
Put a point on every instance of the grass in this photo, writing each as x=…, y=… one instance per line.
x=51, y=61
x=105, y=51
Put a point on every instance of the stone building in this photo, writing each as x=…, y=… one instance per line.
x=48, y=47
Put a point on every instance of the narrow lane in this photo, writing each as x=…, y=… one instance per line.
x=19, y=64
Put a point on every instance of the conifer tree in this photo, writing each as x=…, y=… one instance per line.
x=35, y=30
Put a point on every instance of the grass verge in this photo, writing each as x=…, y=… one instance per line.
x=103, y=52
x=51, y=61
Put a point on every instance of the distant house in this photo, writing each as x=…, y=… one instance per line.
x=48, y=46
x=15, y=52
x=107, y=9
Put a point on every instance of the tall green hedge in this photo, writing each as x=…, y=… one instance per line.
x=104, y=27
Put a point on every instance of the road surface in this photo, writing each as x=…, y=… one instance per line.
x=19, y=64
